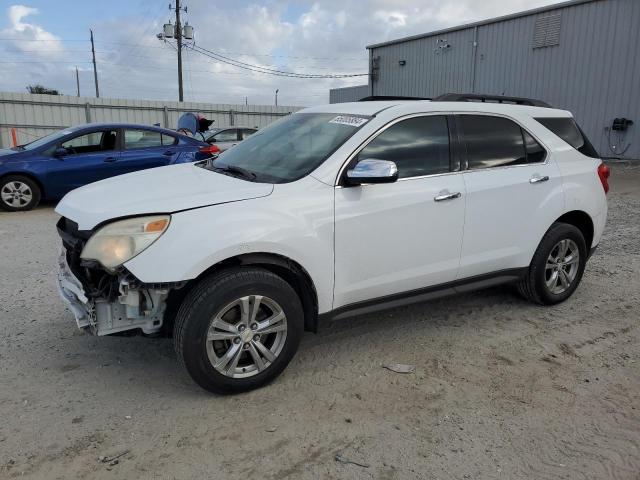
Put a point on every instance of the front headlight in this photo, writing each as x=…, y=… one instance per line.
x=120, y=241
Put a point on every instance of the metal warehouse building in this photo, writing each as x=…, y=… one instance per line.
x=580, y=55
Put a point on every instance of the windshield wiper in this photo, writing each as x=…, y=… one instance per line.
x=236, y=171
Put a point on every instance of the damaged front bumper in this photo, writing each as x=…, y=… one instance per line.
x=134, y=306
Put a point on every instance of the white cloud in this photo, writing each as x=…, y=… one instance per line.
x=29, y=53
x=17, y=13
x=395, y=19
x=25, y=33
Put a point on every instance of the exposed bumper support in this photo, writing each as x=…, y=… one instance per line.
x=134, y=308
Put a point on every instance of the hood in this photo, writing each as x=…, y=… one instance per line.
x=158, y=190
x=7, y=151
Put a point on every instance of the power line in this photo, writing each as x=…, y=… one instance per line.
x=136, y=48
x=269, y=70
x=259, y=69
x=187, y=59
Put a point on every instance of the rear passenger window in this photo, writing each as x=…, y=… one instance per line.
x=168, y=140
x=498, y=142
x=567, y=129
x=141, y=139
x=419, y=146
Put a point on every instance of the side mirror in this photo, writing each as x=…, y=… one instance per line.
x=60, y=152
x=372, y=171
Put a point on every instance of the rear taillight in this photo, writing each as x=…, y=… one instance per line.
x=210, y=150
x=603, y=173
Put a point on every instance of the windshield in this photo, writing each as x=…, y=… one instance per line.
x=290, y=148
x=49, y=138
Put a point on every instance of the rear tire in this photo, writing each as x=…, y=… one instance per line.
x=18, y=193
x=237, y=330
x=557, y=266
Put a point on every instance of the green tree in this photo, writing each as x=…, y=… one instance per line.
x=37, y=88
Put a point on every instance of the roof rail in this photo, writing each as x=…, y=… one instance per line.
x=475, y=97
x=374, y=98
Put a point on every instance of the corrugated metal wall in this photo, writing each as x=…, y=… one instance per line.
x=34, y=116
x=430, y=68
x=594, y=71
x=348, y=94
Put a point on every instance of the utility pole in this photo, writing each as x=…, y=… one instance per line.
x=77, y=82
x=277, y=90
x=95, y=70
x=180, y=33
x=179, y=40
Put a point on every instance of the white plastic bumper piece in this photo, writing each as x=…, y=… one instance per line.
x=72, y=293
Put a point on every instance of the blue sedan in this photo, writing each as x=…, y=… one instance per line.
x=53, y=165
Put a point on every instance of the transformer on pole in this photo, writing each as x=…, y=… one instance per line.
x=177, y=31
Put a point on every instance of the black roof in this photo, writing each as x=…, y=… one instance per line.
x=375, y=98
x=465, y=97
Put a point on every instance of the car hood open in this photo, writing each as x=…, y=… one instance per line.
x=158, y=190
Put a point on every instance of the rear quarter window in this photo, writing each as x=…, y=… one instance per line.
x=168, y=139
x=568, y=130
x=497, y=142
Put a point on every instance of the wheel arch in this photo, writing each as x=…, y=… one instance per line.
x=28, y=175
x=289, y=270
x=582, y=221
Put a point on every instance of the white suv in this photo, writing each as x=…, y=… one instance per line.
x=330, y=212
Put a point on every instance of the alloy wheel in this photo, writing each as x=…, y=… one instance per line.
x=16, y=194
x=562, y=266
x=246, y=336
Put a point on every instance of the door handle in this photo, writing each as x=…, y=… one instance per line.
x=109, y=159
x=538, y=179
x=168, y=153
x=446, y=196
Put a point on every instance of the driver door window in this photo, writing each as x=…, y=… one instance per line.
x=102, y=141
x=419, y=146
x=89, y=157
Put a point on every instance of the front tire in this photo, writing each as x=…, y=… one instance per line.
x=557, y=266
x=238, y=330
x=18, y=193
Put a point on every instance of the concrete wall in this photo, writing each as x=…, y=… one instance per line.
x=34, y=116
x=594, y=71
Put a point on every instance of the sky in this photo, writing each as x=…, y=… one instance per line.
x=43, y=41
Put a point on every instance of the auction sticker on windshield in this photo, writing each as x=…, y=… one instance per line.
x=349, y=120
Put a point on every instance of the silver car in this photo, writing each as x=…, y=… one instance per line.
x=226, y=137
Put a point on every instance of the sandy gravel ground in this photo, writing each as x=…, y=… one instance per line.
x=502, y=389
